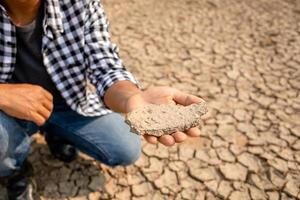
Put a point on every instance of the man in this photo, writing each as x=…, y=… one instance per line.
x=49, y=50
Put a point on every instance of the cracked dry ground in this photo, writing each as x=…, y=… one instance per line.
x=243, y=57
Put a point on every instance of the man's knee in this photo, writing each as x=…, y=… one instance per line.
x=113, y=144
x=4, y=136
x=14, y=145
x=131, y=152
x=3, y=144
x=126, y=152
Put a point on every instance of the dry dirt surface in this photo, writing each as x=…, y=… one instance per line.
x=243, y=58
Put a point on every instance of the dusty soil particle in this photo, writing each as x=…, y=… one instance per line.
x=160, y=120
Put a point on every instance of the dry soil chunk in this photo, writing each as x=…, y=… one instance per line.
x=234, y=171
x=160, y=120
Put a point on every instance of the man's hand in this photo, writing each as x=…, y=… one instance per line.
x=164, y=95
x=25, y=101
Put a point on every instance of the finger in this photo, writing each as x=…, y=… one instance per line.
x=44, y=112
x=167, y=140
x=48, y=105
x=39, y=119
x=179, y=137
x=185, y=99
x=150, y=139
x=194, y=132
x=48, y=95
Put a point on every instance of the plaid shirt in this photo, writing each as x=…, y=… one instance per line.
x=76, y=48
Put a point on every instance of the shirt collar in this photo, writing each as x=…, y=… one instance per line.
x=54, y=16
x=3, y=10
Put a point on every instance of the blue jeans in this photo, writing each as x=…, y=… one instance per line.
x=107, y=138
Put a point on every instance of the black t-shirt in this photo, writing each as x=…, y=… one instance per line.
x=29, y=66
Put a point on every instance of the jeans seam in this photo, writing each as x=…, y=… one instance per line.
x=106, y=155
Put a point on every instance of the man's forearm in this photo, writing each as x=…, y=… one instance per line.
x=118, y=94
x=3, y=99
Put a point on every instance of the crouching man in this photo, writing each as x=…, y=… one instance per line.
x=49, y=50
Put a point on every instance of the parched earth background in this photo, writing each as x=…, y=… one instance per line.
x=243, y=58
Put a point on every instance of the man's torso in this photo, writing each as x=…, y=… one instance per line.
x=62, y=49
x=29, y=67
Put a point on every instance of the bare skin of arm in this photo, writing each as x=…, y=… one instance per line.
x=27, y=102
x=124, y=97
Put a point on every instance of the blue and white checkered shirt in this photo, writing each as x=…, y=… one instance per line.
x=76, y=48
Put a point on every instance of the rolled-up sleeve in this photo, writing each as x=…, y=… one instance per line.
x=104, y=66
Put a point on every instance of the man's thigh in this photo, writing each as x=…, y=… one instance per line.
x=14, y=142
x=106, y=138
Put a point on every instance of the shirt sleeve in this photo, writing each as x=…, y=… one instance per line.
x=104, y=66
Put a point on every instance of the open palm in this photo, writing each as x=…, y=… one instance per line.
x=164, y=95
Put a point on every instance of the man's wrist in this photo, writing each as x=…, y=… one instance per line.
x=127, y=102
x=117, y=96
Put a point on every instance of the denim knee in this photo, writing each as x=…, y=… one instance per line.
x=127, y=152
x=14, y=145
x=5, y=125
x=130, y=154
x=3, y=140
